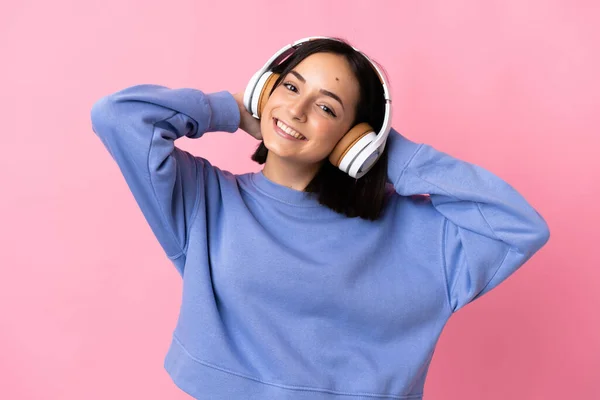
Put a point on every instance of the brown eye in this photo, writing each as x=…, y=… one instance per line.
x=290, y=87
x=327, y=110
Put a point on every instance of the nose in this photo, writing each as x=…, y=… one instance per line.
x=297, y=109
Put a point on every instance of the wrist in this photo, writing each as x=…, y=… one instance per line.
x=225, y=112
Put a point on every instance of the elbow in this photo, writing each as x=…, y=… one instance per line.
x=540, y=234
x=543, y=234
x=102, y=114
x=534, y=235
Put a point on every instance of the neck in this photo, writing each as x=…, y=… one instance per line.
x=287, y=173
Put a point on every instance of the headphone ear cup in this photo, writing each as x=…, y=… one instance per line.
x=265, y=91
x=347, y=141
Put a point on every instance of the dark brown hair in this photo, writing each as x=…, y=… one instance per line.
x=364, y=197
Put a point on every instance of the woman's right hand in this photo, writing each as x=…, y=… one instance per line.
x=248, y=123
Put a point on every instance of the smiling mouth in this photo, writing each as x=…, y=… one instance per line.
x=287, y=131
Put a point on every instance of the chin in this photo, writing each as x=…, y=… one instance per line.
x=285, y=154
x=279, y=150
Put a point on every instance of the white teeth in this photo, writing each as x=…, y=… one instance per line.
x=289, y=130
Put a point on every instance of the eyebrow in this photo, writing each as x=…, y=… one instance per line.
x=325, y=92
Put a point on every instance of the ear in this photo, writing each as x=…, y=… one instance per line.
x=265, y=92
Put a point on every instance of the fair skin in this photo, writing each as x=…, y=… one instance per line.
x=316, y=102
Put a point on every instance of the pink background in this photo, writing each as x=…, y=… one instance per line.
x=89, y=300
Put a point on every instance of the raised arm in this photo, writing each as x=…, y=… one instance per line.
x=490, y=229
x=138, y=126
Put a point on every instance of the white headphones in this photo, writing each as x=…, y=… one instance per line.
x=360, y=148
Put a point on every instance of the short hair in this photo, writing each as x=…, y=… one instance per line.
x=364, y=197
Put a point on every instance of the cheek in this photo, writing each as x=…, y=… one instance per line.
x=264, y=123
x=266, y=120
x=329, y=134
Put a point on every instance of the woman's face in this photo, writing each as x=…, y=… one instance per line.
x=311, y=109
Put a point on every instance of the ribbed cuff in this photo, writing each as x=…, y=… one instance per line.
x=400, y=152
x=225, y=114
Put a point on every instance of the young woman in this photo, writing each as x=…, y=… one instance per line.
x=299, y=281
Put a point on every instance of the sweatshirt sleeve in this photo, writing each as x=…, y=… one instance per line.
x=489, y=231
x=138, y=126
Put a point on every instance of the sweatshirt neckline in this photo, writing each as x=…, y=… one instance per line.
x=282, y=193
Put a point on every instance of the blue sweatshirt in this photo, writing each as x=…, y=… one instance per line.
x=282, y=297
